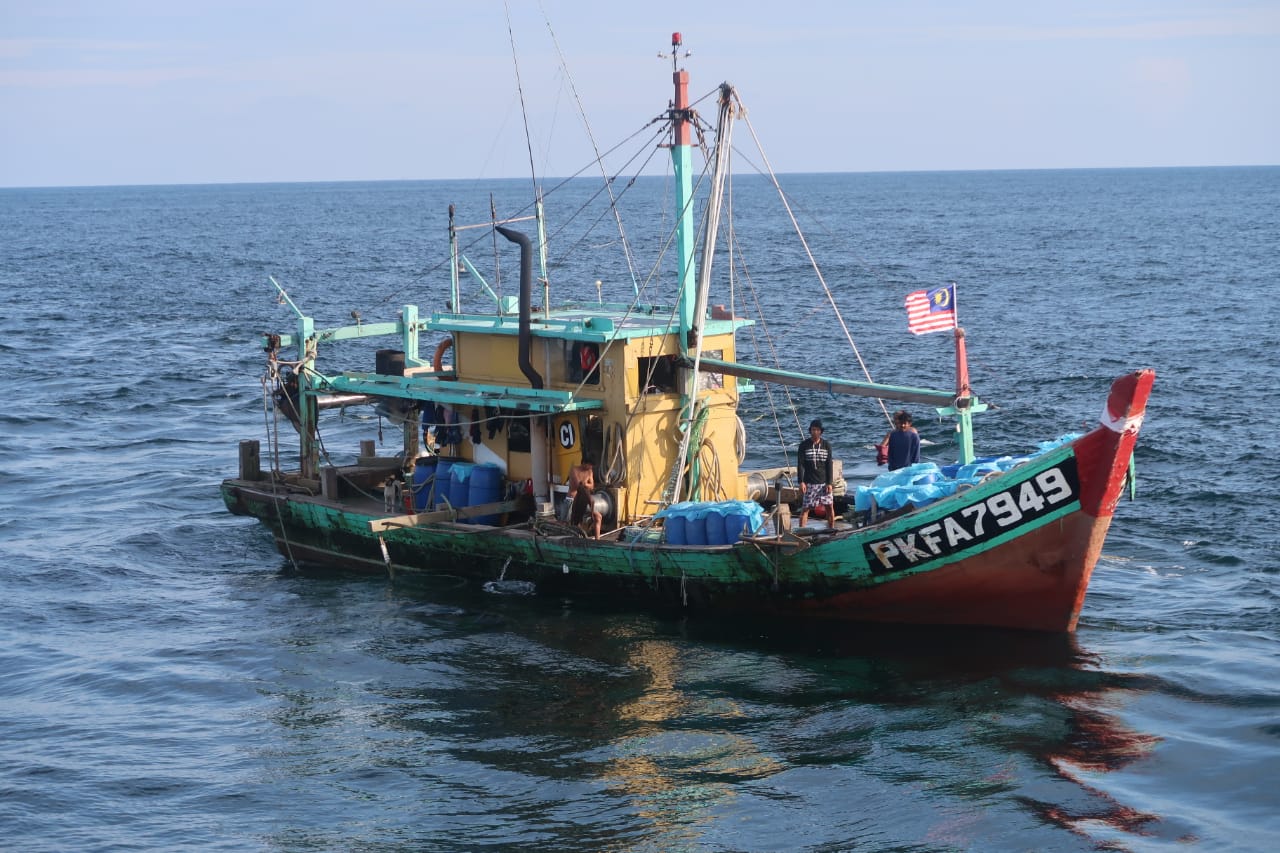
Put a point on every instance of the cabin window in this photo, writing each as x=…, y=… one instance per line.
x=658, y=374
x=584, y=363
x=593, y=442
x=518, y=434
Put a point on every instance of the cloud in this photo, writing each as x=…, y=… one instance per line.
x=45, y=63
x=36, y=47
x=76, y=78
x=1240, y=23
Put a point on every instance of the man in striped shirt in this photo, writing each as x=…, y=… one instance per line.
x=814, y=462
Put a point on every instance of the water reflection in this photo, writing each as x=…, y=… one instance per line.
x=978, y=673
x=526, y=720
x=683, y=754
x=1097, y=742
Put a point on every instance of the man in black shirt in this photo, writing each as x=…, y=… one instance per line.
x=814, y=462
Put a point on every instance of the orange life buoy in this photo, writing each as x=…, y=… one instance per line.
x=438, y=358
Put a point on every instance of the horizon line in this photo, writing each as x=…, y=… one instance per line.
x=242, y=183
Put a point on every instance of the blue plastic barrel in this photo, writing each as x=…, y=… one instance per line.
x=675, y=527
x=460, y=483
x=486, y=488
x=695, y=528
x=440, y=483
x=424, y=473
x=675, y=520
x=713, y=523
x=741, y=516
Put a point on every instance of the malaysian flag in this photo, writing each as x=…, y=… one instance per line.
x=931, y=310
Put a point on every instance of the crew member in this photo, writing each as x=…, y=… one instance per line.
x=579, y=503
x=815, y=464
x=903, y=441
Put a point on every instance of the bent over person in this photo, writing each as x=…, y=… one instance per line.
x=814, y=463
x=578, y=503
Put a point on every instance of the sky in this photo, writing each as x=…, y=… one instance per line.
x=121, y=92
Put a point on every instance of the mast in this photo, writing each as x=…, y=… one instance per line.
x=454, y=289
x=542, y=255
x=694, y=287
x=724, y=133
x=682, y=165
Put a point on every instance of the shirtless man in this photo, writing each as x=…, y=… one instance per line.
x=582, y=482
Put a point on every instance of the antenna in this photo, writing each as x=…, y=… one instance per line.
x=677, y=41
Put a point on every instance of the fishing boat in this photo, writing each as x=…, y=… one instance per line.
x=497, y=410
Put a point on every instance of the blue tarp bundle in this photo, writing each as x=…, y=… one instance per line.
x=919, y=484
x=710, y=522
x=923, y=483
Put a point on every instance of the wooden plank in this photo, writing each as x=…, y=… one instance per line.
x=250, y=460
x=379, y=462
x=329, y=483
x=379, y=525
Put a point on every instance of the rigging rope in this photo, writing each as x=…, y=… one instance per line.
x=768, y=386
x=520, y=88
x=812, y=261
x=273, y=436
x=582, y=113
x=621, y=324
x=613, y=207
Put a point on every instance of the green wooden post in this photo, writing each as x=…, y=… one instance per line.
x=964, y=424
x=308, y=447
x=409, y=342
x=409, y=320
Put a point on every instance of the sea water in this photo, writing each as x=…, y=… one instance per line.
x=171, y=682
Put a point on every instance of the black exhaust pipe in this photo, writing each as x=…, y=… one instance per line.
x=526, y=304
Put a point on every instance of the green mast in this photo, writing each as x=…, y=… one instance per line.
x=682, y=163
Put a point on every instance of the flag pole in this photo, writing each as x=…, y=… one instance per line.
x=962, y=358
x=964, y=394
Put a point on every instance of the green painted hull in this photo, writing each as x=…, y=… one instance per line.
x=975, y=558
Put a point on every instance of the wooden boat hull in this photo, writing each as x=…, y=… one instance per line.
x=1016, y=551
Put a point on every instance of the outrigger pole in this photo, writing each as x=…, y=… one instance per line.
x=816, y=382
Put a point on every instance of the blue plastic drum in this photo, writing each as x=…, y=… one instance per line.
x=675, y=527
x=424, y=473
x=713, y=523
x=696, y=525
x=675, y=520
x=440, y=483
x=460, y=484
x=486, y=488
x=739, y=518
